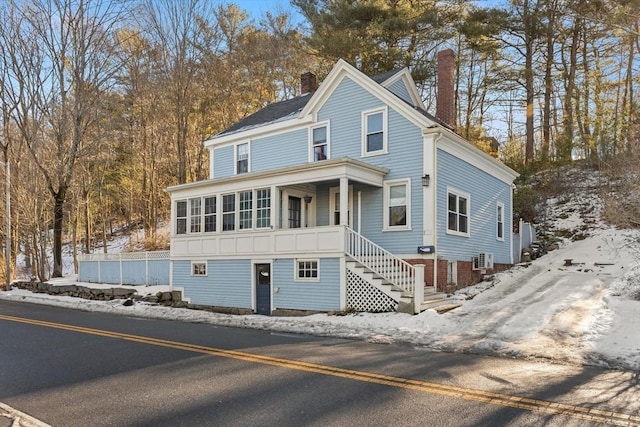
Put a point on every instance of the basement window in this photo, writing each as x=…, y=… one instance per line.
x=307, y=270
x=198, y=268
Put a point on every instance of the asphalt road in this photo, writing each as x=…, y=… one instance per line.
x=73, y=368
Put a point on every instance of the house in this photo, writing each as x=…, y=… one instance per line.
x=341, y=198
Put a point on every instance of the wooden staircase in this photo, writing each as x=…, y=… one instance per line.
x=405, y=301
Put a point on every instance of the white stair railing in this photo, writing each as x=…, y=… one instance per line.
x=382, y=262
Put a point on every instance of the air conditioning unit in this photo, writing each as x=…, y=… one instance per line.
x=483, y=261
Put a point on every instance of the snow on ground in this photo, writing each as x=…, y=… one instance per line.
x=586, y=313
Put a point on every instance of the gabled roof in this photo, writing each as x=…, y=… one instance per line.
x=284, y=110
x=383, y=77
x=272, y=113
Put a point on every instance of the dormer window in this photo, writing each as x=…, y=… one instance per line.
x=374, y=132
x=242, y=158
x=319, y=143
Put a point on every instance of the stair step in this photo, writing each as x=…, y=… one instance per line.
x=435, y=296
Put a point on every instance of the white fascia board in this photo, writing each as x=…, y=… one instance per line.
x=343, y=69
x=260, y=131
x=409, y=83
x=298, y=174
x=464, y=150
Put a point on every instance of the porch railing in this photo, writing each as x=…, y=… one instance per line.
x=382, y=262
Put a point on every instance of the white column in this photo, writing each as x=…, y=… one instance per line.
x=344, y=201
x=275, y=206
x=418, y=288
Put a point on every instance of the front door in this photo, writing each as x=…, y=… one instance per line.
x=263, y=289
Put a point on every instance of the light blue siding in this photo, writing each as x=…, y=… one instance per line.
x=400, y=89
x=227, y=283
x=272, y=152
x=485, y=192
x=223, y=165
x=404, y=160
x=285, y=149
x=321, y=296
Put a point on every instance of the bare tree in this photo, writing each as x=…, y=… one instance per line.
x=77, y=45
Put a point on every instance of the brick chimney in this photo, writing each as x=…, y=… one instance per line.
x=445, y=102
x=308, y=83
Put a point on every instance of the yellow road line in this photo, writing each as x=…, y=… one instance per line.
x=500, y=399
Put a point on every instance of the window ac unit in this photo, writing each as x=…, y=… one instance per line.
x=483, y=261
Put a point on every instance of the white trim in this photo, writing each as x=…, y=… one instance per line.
x=474, y=156
x=409, y=84
x=357, y=170
x=296, y=269
x=206, y=268
x=364, y=131
x=328, y=142
x=343, y=69
x=386, y=205
x=500, y=206
x=343, y=283
x=211, y=164
x=467, y=196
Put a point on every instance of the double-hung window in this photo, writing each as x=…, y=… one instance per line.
x=397, y=205
x=374, y=132
x=319, y=143
x=246, y=210
x=195, y=217
x=457, y=213
x=181, y=217
x=242, y=158
x=500, y=221
x=210, y=214
x=242, y=211
x=263, y=208
x=228, y=212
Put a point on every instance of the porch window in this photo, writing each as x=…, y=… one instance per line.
x=210, y=214
x=319, y=143
x=263, y=208
x=397, y=205
x=458, y=213
x=374, y=132
x=181, y=217
x=198, y=268
x=246, y=210
x=195, y=219
x=307, y=270
x=500, y=221
x=228, y=212
x=242, y=158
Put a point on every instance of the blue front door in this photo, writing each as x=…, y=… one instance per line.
x=263, y=289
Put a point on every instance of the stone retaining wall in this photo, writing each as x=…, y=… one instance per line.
x=172, y=298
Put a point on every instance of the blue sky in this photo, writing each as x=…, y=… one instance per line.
x=257, y=8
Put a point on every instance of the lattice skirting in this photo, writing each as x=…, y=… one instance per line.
x=362, y=296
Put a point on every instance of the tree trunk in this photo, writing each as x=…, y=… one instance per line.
x=548, y=87
x=58, y=220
